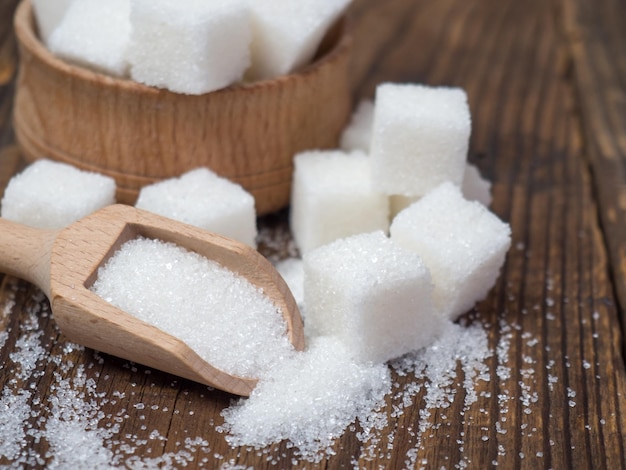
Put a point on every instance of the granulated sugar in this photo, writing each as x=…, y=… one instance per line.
x=70, y=417
x=220, y=315
x=81, y=418
x=309, y=400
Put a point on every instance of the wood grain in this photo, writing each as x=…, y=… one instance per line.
x=545, y=81
x=597, y=40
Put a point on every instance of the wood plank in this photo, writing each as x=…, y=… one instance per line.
x=8, y=52
x=557, y=378
x=596, y=34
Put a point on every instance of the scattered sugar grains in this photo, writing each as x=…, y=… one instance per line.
x=51, y=195
x=220, y=315
x=69, y=418
x=202, y=198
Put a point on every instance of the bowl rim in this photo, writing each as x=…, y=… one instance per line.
x=25, y=31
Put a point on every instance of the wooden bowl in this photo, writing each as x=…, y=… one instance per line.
x=140, y=135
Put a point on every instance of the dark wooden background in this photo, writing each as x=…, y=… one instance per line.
x=546, y=81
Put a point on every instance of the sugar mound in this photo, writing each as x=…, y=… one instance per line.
x=95, y=34
x=52, y=195
x=220, y=315
x=286, y=33
x=461, y=242
x=309, y=399
x=190, y=47
x=204, y=199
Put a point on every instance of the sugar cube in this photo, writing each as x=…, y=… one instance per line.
x=420, y=137
x=51, y=195
x=475, y=187
x=372, y=294
x=94, y=34
x=461, y=242
x=204, y=199
x=189, y=46
x=48, y=14
x=286, y=33
x=332, y=198
x=292, y=271
x=358, y=133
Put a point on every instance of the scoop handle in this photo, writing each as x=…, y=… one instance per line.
x=25, y=253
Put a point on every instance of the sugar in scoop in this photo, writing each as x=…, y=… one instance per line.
x=225, y=319
x=64, y=264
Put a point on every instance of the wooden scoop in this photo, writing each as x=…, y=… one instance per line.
x=64, y=264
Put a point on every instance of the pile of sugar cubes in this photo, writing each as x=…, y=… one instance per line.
x=394, y=228
x=187, y=46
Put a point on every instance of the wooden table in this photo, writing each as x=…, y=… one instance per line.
x=546, y=81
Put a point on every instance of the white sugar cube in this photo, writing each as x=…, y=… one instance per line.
x=332, y=198
x=461, y=242
x=48, y=14
x=475, y=187
x=94, y=34
x=420, y=137
x=51, y=195
x=286, y=33
x=189, y=46
x=358, y=133
x=371, y=293
x=206, y=200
